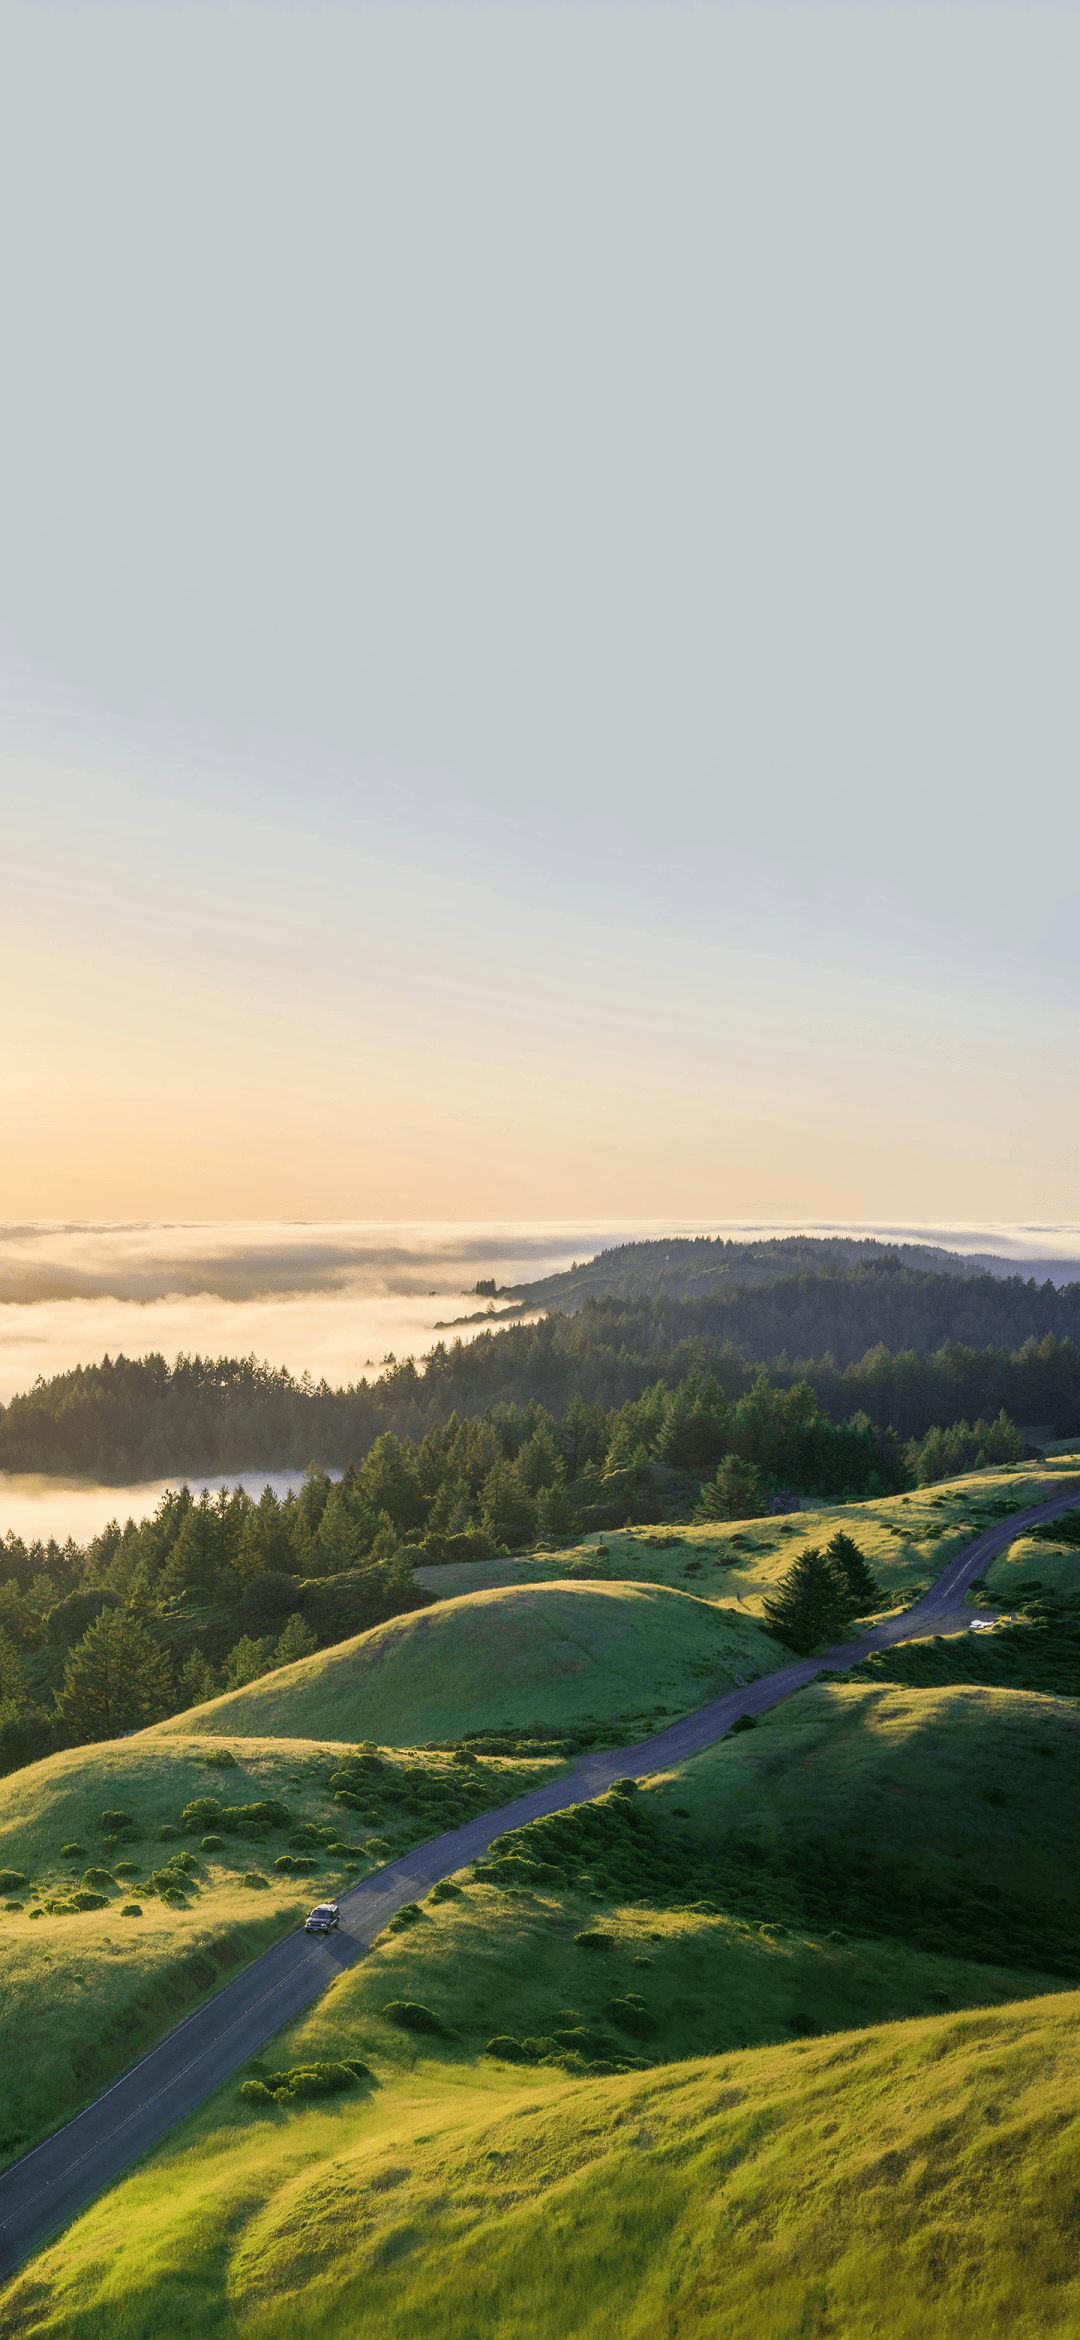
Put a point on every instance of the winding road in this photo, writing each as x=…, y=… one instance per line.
x=49, y=2186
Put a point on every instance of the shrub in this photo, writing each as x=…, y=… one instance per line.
x=37, y=1913
x=125, y=1869
x=175, y=1898
x=255, y=1883
x=287, y=1863
x=624, y=1787
x=255, y=2092
x=13, y=1905
x=113, y=1822
x=511, y=2051
x=410, y=2015
x=743, y=1722
x=343, y=1796
x=359, y=2071
x=89, y=1901
x=242, y=1819
x=9, y=1879
x=222, y=1759
x=403, y=1918
x=201, y=1813
x=167, y=1833
x=72, y=1852
x=212, y=1844
x=591, y=1940
x=445, y=1890
x=631, y=2014
x=99, y=1880
x=131, y=1909
x=319, y=2079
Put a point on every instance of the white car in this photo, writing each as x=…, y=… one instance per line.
x=323, y=1919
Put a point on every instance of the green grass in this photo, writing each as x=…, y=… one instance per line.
x=916, y=2178
x=908, y=1540
x=879, y=1856
x=1031, y=1562
x=943, y=1818
x=505, y=1657
x=83, y=1992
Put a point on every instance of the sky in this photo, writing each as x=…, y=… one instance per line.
x=538, y=597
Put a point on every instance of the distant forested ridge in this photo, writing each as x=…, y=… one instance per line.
x=908, y=1346
x=704, y=1267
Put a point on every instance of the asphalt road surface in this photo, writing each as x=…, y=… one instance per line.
x=49, y=2186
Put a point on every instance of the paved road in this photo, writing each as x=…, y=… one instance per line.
x=49, y=2186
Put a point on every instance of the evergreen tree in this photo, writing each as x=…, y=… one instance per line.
x=297, y=1641
x=198, y=1681
x=558, y=1521
x=247, y=1661
x=265, y=1545
x=116, y=1679
x=863, y=1590
x=509, y=1510
x=694, y=1430
x=811, y=1603
x=735, y=1493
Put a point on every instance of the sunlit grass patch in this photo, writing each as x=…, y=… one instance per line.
x=562, y=1653
x=928, y=2165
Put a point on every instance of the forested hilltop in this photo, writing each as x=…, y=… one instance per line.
x=908, y=1348
x=702, y=1267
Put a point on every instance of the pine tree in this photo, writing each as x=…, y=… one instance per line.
x=247, y=1661
x=735, y=1493
x=558, y=1521
x=116, y=1679
x=863, y=1590
x=198, y=1681
x=509, y=1510
x=811, y=1603
x=297, y=1641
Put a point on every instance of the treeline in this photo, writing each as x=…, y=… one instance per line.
x=128, y=1419
x=696, y=1267
x=209, y=1594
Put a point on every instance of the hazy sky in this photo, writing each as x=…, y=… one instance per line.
x=538, y=596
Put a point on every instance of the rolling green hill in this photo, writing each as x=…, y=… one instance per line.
x=560, y=1653
x=788, y=2190
x=642, y=2108
x=173, y=1911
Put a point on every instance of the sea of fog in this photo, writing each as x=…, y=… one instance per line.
x=334, y=1300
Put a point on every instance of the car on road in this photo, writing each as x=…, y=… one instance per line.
x=323, y=1918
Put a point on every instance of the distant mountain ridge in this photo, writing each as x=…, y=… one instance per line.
x=700, y=1267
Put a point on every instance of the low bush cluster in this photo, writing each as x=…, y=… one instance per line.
x=303, y=2081
x=578, y=2048
x=411, y=2015
x=625, y=1845
x=255, y=1819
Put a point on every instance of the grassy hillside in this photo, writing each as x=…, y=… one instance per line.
x=908, y=1540
x=1032, y=1564
x=786, y=2191
x=561, y=1653
x=943, y=1818
x=84, y=1990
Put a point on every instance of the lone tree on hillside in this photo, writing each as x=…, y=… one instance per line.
x=116, y=1679
x=811, y=1603
x=863, y=1590
x=735, y=1493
